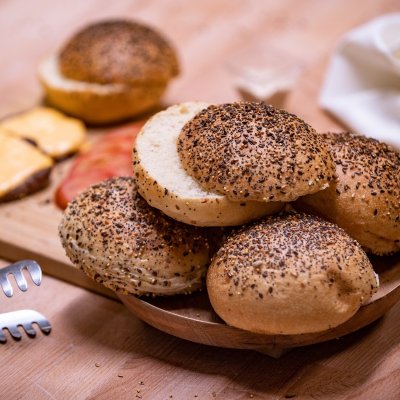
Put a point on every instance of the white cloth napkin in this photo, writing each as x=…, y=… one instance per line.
x=362, y=85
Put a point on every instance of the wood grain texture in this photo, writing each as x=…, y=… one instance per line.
x=212, y=37
x=29, y=229
x=90, y=330
x=192, y=317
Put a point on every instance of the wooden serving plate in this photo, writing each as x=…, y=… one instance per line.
x=192, y=317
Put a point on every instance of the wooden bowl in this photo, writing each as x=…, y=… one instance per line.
x=192, y=317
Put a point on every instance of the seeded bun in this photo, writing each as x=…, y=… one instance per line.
x=118, y=240
x=165, y=185
x=252, y=151
x=291, y=274
x=365, y=199
x=109, y=71
x=118, y=52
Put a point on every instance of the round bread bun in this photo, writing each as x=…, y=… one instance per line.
x=290, y=274
x=365, y=198
x=96, y=103
x=165, y=185
x=118, y=240
x=252, y=151
x=109, y=71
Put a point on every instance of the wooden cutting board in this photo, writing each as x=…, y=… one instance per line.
x=214, y=39
x=29, y=229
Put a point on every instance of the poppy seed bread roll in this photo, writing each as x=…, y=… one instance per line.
x=118, y=51
x=109, y=71
x=118, y=240
x=365, y=198
x=253, y=151
x=164, y=183
x=290, y=274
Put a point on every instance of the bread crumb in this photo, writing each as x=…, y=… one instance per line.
x=183, y=109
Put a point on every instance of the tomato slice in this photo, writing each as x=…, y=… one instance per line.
x=109, y=157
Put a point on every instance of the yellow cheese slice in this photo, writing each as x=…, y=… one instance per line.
x=53, y=132
x=19, y=161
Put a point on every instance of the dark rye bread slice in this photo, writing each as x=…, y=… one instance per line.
x=23, y=168
x=290, y=274
x=253, y=151
x=365, y=198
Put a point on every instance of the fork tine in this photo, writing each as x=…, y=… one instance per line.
x=30, y=331
x=20, y=279
x=17, y=270
x=24, y=318
x=35, y=271
x=14, y=331
x=39, y=319
x=6, y=285
x=44, y=325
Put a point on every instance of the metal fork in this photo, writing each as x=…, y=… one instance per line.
x=16, y=270
x=21, y=318
x=25, y=318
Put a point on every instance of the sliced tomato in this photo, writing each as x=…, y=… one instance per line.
x=109, y=157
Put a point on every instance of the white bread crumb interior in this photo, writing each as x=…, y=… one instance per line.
x=164, y=183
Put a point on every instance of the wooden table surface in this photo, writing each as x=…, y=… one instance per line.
x=97, y=349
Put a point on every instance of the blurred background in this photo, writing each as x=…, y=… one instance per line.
x=215, y=41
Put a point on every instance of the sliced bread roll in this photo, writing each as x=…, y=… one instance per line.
x=165, y=185
x=109, y=71
x=96, y=103
x=253, y=151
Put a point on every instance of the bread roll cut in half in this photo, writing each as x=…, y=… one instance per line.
x=164, y=183
x=117, y=239
x=253, y=151
x=365, y=199
x=109, y=71
x=290, y=274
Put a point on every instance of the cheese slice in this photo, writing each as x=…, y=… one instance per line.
x=53, y=132
x=19, y=162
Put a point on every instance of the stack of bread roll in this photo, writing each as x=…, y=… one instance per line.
x=200, y=167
